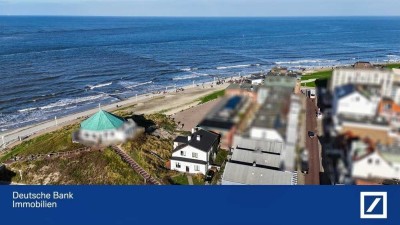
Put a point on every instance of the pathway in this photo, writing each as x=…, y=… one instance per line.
x=135, y=166
x=190, y=179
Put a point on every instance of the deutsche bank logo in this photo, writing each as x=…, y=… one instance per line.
x=373, y=205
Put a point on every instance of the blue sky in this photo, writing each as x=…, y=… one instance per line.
x=202, y=7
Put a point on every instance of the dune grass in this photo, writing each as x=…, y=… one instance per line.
x=150, y=151
x=98, y=167
x=212, y=96
x=56, y=141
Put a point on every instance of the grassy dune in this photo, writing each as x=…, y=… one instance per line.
x=151, y=151
x=56, y=141
x=99, y=167
x=212, y=96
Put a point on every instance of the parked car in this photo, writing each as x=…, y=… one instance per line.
x=311, y=134
x=209, y=175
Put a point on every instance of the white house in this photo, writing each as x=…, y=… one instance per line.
x=375, y=166
x=347, y=100
x=193, y=154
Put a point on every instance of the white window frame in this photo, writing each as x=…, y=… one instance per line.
x=196, y=168
x=195, y=155
x=178, y=165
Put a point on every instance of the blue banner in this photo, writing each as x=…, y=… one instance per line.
x=186, y=205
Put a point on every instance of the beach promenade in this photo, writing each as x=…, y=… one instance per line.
x=168, y=103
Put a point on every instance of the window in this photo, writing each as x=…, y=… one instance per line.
x=196, y=168
x=183, y=153
x=195, y=155
x=377, y=161
x=178, y=165
x=369, y=161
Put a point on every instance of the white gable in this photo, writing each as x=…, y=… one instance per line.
x=187, y=152
x=356, y=104
x=374, y=166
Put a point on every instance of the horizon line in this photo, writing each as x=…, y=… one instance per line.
x=210, y=16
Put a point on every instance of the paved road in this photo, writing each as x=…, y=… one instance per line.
x=312, y=144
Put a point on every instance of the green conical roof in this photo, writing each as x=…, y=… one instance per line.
x=102, y=120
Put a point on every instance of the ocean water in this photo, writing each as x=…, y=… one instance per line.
x=52, y=66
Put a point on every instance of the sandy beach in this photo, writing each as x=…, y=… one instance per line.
x=168, y=103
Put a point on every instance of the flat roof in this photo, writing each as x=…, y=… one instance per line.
x=259, y=157
x=271, y=146
x=251, y=175
x=274, y=111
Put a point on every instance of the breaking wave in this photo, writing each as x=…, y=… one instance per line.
x=131, y=84
x=91, y=87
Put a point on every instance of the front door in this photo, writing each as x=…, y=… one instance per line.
x=187, y=169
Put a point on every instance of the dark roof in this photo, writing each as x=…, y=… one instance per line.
x=189, y=160
x=344, y=90
x=209, y=123
x=180, y=139
x=179, y=147
x=207, y=140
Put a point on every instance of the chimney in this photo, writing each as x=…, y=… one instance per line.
x=189, y=137
x=198, y=137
